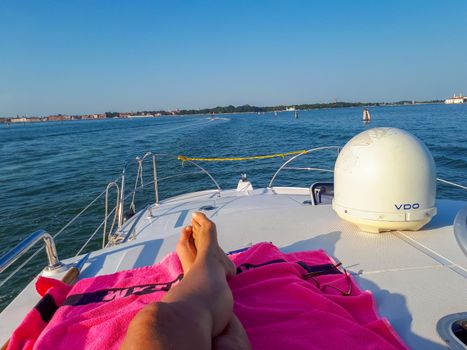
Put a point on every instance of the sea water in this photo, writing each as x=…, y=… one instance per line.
x=50, y=171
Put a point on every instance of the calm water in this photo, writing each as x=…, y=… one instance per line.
x=50, y=171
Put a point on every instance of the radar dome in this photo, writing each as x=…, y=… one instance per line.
x=385, y=179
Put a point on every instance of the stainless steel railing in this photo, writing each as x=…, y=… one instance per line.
x=288, y=161
x=338, y=148
x=110, y=185
x=26, y=244
x=139, y=178
x=54, y=263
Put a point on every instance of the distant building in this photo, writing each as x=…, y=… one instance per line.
x=18, y=120
x=290, y=109
x=456, y=99
x=58, y=117
x=34, y=119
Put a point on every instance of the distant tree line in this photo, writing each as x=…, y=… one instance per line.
x=255, y=109
x=216, y=110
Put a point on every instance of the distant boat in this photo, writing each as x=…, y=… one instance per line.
x=296, y=115
x=366, y=115
x=456, y=99
x=275, y=114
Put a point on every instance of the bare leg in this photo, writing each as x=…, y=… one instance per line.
x=233, y=337
x=199, y=308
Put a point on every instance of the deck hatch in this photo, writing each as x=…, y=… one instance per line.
x=453, y=330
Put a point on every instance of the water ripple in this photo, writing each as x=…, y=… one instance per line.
x=50, y=171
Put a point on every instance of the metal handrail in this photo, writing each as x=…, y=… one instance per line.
x=297, y=156
x=451, y=183
x=139, y=161
x=308, y=169
x=104, y=233
x=207, y=173
x=146, y=184
x=5, y=260
x=14, y=254
x=25, y=262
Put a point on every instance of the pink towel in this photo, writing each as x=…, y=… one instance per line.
x=53, y=294
x=283, y=300
x=98, y=310
x=281, y=308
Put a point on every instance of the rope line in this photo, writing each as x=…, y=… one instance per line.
x=227, y=159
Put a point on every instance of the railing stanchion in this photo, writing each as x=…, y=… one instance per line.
x=14, y=254
x=106, y=210
x=156, y=186
x=122, y=200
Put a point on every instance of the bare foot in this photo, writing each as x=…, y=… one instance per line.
x=205, y=239
x=186, y=249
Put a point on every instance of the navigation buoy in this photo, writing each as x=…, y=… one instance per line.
x=366, y=115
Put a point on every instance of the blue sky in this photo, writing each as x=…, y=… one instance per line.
x=88, y=56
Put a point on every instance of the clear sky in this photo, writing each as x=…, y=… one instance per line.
x=84, y=56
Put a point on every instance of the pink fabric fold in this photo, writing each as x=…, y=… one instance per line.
x=53, y=294
x=280, y=309
x=280, y=306
x=98, y=310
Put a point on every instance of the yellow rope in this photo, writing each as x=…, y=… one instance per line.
x=282, y=155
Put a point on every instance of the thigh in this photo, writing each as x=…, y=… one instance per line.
x=168, y=326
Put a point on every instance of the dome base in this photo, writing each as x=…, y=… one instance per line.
x=374, y=226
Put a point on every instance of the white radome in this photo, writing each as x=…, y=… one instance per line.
x=384, y=180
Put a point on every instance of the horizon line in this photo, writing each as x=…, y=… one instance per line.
x=412, y=101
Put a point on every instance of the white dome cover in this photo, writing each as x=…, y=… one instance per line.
x=385, y=179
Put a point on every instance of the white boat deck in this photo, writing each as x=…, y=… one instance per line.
x=416, y=277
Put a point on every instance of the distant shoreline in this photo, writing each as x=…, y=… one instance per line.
x=244, y=109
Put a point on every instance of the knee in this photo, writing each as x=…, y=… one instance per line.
x=148, y=316
x=160, y=315
x=142, y=330
x=231, y=342
x=233, y=337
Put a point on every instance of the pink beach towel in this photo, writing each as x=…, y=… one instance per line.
x=98, y=310
x=297, y=300
x=302, y=301
x=53, y=294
